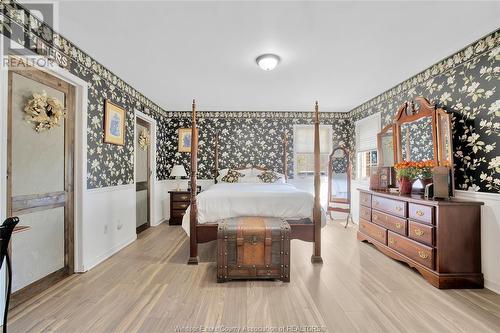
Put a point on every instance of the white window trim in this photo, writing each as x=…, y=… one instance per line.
x=330, y=134
x=375, y=118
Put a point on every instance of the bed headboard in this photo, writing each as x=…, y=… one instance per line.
x=258, y=167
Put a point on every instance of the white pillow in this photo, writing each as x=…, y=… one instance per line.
x=222, y=173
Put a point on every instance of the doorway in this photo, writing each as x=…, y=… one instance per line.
x=40, y=184
x=143, y=174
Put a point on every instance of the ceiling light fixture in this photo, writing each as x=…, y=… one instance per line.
x=268, y=61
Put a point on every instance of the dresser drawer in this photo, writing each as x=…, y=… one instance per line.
x=180, y=196
x=421, y=213
x=413, y=250
x=373, y=230
x=177, y=213
x=390, y=222
x=365, y=213
x=365, y=199
x=180, y=205
x=421, y=232
x=394, y=207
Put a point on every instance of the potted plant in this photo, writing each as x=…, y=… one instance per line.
x=406, y=173
x=425, y=174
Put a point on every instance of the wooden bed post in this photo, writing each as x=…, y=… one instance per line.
x=285, y=155
x=193, y=218
x=316, y=257
x=216, y=157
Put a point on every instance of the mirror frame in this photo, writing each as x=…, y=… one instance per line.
x=407, y=114
x=330, y=179
x=380, y=155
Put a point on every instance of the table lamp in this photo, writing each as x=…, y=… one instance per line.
x=178, y=171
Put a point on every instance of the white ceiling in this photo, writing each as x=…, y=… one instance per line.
x=340, y=53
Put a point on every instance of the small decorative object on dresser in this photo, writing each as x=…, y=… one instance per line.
x=179, y=202
x=440, y=239
x=253, y=248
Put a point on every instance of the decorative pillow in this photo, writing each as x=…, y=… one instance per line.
x=232, y=176
x=268, y=177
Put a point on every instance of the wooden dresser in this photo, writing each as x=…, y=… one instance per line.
x=441, y=239
x=179, y=202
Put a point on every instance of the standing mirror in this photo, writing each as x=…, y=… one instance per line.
x=339, y=182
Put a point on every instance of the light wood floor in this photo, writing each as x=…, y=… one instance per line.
x=148, y=287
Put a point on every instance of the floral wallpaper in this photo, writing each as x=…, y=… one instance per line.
x=245, y=138
x=466, y=84
x=107, y=164
x=416, y=140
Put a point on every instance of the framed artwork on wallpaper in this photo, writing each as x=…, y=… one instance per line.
x=114, y=124
x=184, y=140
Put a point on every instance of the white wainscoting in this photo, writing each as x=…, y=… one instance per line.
x=490, y=236
x=490, y=230
x=109, y=223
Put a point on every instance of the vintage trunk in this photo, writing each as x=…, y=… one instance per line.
x=253, y=248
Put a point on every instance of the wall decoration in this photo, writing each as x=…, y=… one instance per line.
x=114, y=124
x=45, y=112
x=184, y=140
x=144, y=139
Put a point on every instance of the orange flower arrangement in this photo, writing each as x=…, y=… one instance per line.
x=413, y=170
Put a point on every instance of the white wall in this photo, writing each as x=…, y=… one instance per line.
x=490, y=236
x=108, y=224
x=490, y=230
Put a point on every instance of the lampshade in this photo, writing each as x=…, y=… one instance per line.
x=178, y=171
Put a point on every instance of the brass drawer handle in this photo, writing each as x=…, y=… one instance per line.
x=419, y=232
x=399, y=225
x=183, y=206
x=419, y=213
x=184, y=197
x=399, y=208
x=380, y=233
x=391, y=241
x=375, y=217
x=423, y=254
x=376, y=203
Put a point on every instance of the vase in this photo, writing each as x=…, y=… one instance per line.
x=405, y=185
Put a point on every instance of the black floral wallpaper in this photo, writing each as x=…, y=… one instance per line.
x=245, y=138
x=467, y=84
x=416, y=140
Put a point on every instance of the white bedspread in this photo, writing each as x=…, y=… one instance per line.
x=225, y=200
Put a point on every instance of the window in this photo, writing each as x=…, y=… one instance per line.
x=366, y=145
x=303, y=147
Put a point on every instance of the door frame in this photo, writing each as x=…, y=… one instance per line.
x=152, y=162
x=80, y=150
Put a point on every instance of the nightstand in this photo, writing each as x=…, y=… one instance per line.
x=179, y=202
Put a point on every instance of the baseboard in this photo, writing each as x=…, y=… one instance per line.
x=493, y=286
x=160, y=222
x=109, y=253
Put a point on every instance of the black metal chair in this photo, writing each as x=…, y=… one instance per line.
x=6, y=230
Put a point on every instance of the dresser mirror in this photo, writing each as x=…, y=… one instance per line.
x=386, y=146
x=339, y=182
x=415, y=132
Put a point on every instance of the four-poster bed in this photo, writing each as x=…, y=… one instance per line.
x=273, y=200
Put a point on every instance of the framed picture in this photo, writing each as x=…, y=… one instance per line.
x=114, y=124
x=184, y=140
